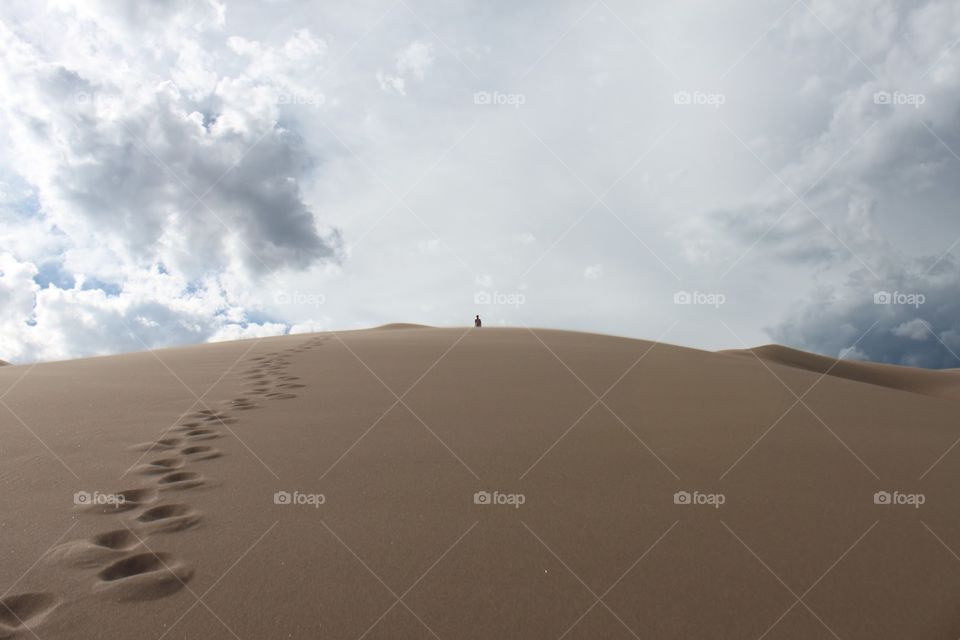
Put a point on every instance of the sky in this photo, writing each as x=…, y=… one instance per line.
x=715, y=175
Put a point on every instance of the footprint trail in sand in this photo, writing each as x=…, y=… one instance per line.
x=122, y=563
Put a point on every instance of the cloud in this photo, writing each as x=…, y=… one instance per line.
x=916, y=329
x=864, y=169
x=914, y=322
x=164, y=182
x=200, y=173
x=818, y=205
x=151, y=309
x=593, y=272
x=315, y=177
x=412, y=62
x=415, y=59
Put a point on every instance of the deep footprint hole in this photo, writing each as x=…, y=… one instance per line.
x=167, y=463
x=134, y=566
x=189, y=451
x=180, y=476
x=163, y=512
x=18, y=610
x=117, y=539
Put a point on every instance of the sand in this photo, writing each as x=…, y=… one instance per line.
x=382, y=439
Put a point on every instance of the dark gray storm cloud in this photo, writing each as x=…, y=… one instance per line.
x=160, y=179
x=912, y=318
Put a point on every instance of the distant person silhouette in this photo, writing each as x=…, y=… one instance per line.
x=476, y=322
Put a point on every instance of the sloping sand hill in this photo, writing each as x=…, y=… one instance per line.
x=934, y=383
x=477, y=483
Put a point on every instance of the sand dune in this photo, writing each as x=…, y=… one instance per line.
x=934, y=383
x=476, y=483
x=401, y=325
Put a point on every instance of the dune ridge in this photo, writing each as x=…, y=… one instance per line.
x=942, y=383
x=400, y=325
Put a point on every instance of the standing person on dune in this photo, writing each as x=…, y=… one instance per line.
x=476, y=322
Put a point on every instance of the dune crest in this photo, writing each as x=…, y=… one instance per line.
x=400, y=325
x=941, y=384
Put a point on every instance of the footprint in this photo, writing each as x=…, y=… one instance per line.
x=202, y=413
x=179, y=480
x=144, y=576
x=160, y=445
x=167, y=518
x=161, y=465
x=201, y=434
x=208, y=415
x=201, y=452
x=95, y=551
x=242, y=404
x=125, y=500
x=24, y=612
